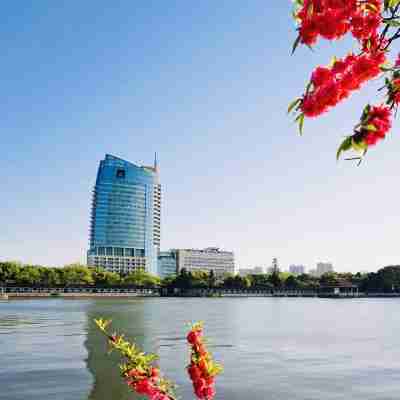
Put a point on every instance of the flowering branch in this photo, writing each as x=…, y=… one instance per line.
x=137, y=368
x=375, y=25
x=144, y=378
x=202, y=368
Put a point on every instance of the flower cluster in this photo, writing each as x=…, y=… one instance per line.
x=331, y=85
x=332, y=19
x=374, y=124
x=375, y=24
x=146, y=383
x=202, y=368
x=137, y=369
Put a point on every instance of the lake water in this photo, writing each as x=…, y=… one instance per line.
x=271, y=348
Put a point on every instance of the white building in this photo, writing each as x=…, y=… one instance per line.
x=209, y=259
x=297, y=269
x=251, y=271
x=323, y=268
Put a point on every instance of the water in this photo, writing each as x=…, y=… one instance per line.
x=271, y=348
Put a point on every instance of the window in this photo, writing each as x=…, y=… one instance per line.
x=118, y=251
x=120, y=173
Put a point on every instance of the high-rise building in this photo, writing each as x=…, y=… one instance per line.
x=297, y=269
x=323, y=268
x=211, y=258
x=274, y=268
x=126, y=216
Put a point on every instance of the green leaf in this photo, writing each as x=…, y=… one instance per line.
x=359, y=145
x=300, y=120
x=370, y=127
x=293, y=104
x=393, y=22
x=344, y=146
x=365, y=113
x=295, y=44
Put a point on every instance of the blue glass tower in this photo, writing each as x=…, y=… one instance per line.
x=126, y=217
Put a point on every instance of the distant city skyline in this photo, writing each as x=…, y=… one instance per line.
x=207, y=88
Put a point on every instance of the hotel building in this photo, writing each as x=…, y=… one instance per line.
x=126, y=217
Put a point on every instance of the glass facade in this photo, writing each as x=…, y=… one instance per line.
x=167, y=263
x=126, y=217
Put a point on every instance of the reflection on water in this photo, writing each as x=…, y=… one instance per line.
x=297, y=349
x=127, y=317
x=41, y=350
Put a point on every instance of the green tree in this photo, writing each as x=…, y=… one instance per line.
x=237, y=282
x=328, y=279
x=142, y=278
x=291, y=282
x=275, y=279
x=51, y=276
x=30, y=275
x=77, y=274
x=260, y=281
x=9, y=271
x=103, y=277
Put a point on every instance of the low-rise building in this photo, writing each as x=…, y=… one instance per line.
x=209, y=259
x=251, y=271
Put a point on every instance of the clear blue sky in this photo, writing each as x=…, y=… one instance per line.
x=206, y=85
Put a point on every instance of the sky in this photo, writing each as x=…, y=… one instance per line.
x=205, y=85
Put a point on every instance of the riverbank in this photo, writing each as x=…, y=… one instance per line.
x=88, y=293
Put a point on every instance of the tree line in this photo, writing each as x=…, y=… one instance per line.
x=385, y=280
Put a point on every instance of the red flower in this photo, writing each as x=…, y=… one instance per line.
x=370, y=139
x=193, y=337
x=396, y=97
x=210, y=380
x=155, y=372
x=321, y=75
x=199, y=383
x=194, y=372
x=145, y=387
x=397, y=63
x=309, y=32
x=379, y=118
x=208, y=392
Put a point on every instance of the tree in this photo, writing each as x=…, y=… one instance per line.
x=30, y=275
x=51, y=277
x=291, y=282
x=386, y=280
x=374, y=24
x=275, y=279
x=260, y=281
x=328, y=279
x=211, y=279
x=105, y=278
x=237, y=282
x=9, y=271
x=142, y=278
x=77, y=274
